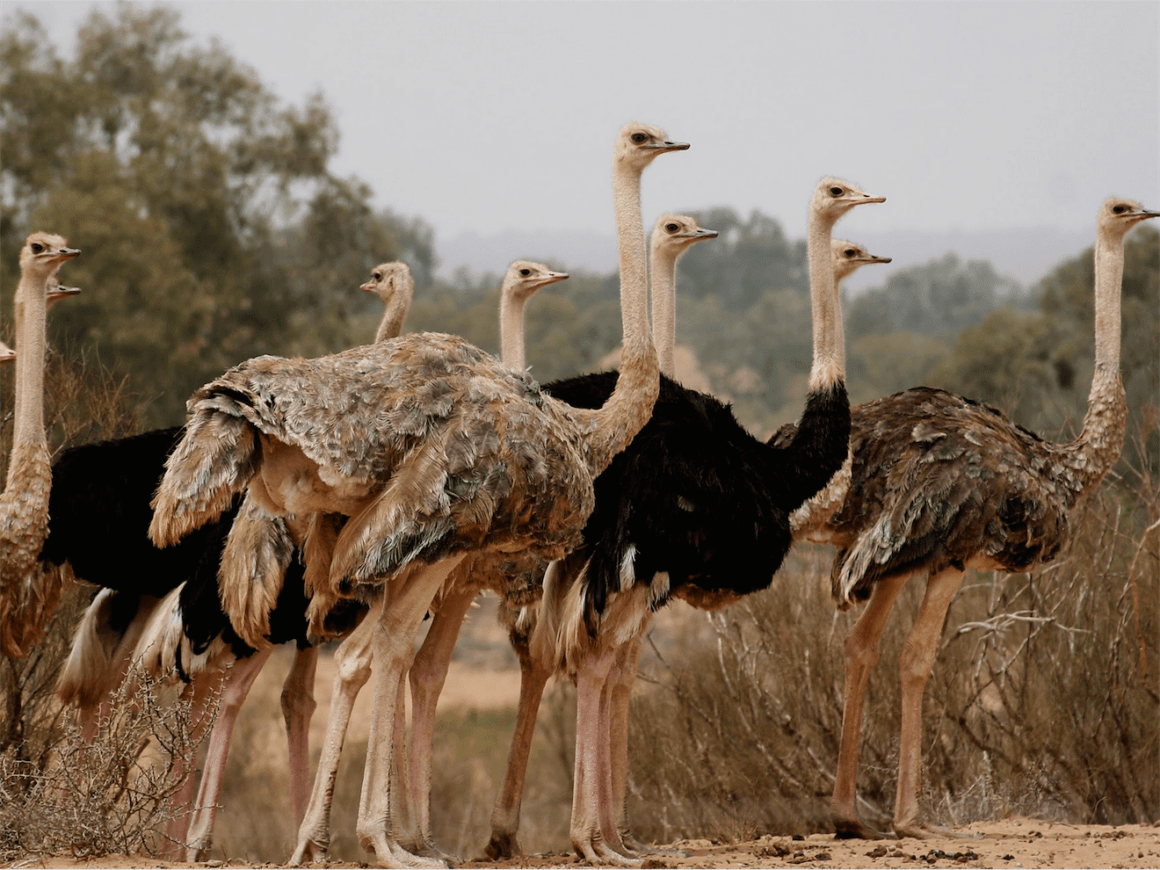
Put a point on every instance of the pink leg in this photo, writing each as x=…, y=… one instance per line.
x=628, y=660
x=238, y=681
x=505, y=817
x=298, y=707
x=181, y=801
x=861, y=656
x=915, y=663
x=407, y=599
x=427, y=675
x=590, y=789
x=353, y=659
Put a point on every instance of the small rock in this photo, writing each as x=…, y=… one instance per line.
x=877, y=852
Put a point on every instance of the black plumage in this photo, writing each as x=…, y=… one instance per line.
x=697, y=496
x=100, y=512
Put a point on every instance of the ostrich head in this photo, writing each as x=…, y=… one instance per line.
x=43, y=253
x=637, y=144
x=57, y=291
x=1118, y=215
x=677, y=233
x=849, y=258
x=7, y=354
x=387, y=279
x=833, y=197
x=524, y=278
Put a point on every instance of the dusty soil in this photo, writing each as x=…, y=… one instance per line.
x=1013, y=843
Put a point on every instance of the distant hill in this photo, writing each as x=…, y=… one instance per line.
x=1024, y=255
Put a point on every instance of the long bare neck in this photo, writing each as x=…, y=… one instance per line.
x=31, y=309
x=1098, y=447
x=630, y=405
x=511, y=330
x=663, y=287
x=391, y=326
x=829, y=364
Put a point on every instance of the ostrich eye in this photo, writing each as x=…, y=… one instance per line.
x=37, y=248
x=525, y=272
x=850, y=252
x=378, y=276
x=671, y=228
x=639, y=137
x=1119, y=209
x=836, y=191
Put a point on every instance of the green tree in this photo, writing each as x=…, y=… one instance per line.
x=212, y=227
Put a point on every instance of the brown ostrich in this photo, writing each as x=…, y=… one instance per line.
x=433, y=450
x=24, y=502
x=938, y=484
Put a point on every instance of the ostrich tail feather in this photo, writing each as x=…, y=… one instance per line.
x=214, y=460
x=253, y=568
x=98, y=659
x=561, y=637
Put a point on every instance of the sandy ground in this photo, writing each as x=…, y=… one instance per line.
x=1014, y=843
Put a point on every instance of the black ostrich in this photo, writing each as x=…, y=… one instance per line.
x=697, y=509
x=100, y=513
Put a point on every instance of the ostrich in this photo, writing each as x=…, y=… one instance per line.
x=672, y=236
x=353, y=656
x=7, y=354
x=166, y=614
x=698, y=509
x=433, y=449
x=24, y=504
x=938, y=484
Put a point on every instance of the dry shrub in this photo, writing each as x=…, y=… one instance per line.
x=110, y=796
x=1043, y=701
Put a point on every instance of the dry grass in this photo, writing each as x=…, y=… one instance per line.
x=1043, y=701
x=113, y=795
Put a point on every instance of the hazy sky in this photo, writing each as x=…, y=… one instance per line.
x=493, y=116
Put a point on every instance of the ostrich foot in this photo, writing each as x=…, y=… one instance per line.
x=502, y=846
x=427, y=849
x=309, y=851
x=391, y=854
x=197, y=852
x=596, y=851
x=854, y=829
x=931, y=832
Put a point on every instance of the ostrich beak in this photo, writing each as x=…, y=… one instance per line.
x=669, y=145
x=552, y=278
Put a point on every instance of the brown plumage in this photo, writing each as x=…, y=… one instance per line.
x=939, y=484
x=433, y=449
x=429, y=669
x=27, y=596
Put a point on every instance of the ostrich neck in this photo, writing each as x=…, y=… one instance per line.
x=31, y=309
x=663, y=281
x=1092, y=455
x=511, y=330
x=829, y=364
x=630, y=405
x=391, y=326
